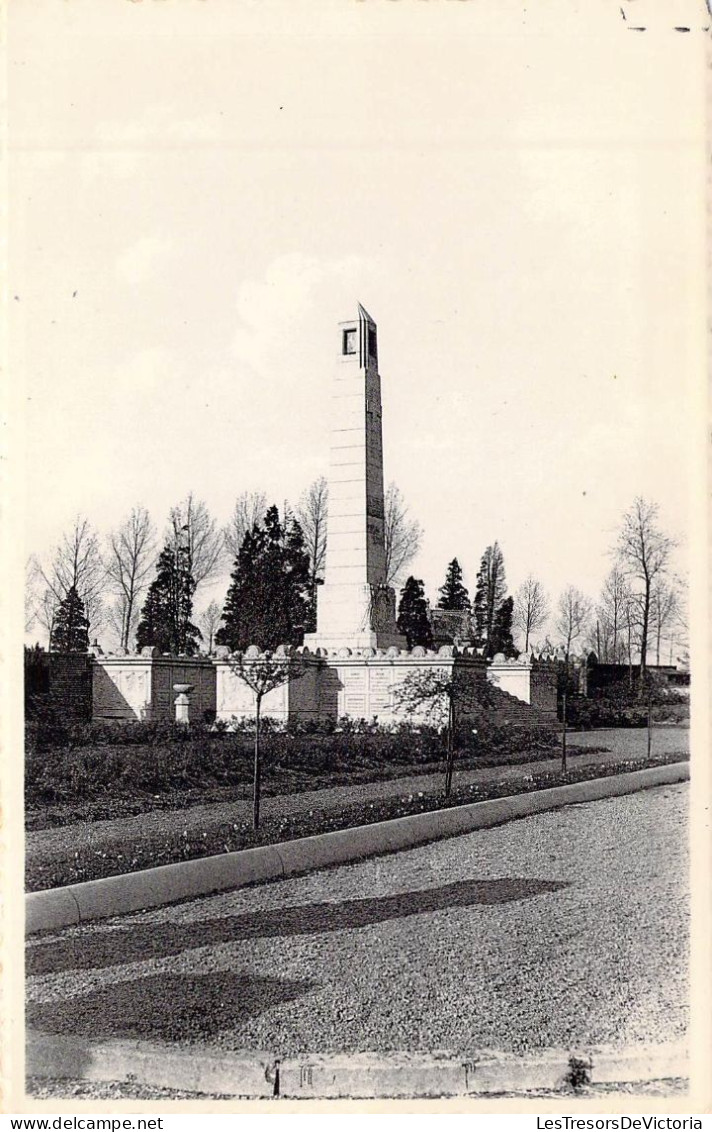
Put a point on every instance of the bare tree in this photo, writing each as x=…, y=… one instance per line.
x=208, y=622
x=130, y=560
x=643, y=551
x=312, y=512
x=611, y=617
x=403, y=535
x=531, y=608
x=250, y=508
x=441, y=698
x=47, y=614
x=192, y=529
x=32, y=595
x=574, y=610
x=263, y=672
x=41, y=604
x=76, y=564
x=679, y=628
x=664, y=604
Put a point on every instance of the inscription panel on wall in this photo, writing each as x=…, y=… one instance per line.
x=380, y=695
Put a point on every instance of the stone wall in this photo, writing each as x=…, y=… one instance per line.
x=366, y=685
x=360, y=684
x=141, y=686
x=235, y=700
x=198, y=671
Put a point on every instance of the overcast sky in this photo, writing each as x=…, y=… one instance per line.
x=201, y=191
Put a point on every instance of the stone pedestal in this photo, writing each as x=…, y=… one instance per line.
x=182, y=702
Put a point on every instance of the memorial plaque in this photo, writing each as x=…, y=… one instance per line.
x=355, y=706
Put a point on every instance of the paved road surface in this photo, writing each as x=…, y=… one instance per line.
x=563, y=929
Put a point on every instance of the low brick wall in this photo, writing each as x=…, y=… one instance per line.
x=63, y=680
x=532, y=683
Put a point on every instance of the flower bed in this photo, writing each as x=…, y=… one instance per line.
x=108, y=772
x=174, y=844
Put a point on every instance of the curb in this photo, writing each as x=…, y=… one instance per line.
x=143, y=1063
x=261, y=1075
x=166, y=884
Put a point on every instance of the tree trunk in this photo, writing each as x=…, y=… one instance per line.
x=650, y=725
x=256, y=782
x=127, y=623
x=644, y=638
x=563, y=733
x=450, y=748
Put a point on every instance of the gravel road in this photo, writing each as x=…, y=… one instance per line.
x=566, y=929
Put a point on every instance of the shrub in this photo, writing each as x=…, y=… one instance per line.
x=44, y=726
x=619, y=705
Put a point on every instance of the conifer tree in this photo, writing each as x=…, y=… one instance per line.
x=453, y=594
x=166, y=616
x=70, y=632
x=501, y=639
x=490, y=591
x=413, y=620
x=268, y=603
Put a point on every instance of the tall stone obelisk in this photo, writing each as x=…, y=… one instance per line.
x=355, y=607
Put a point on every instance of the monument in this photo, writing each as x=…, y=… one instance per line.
x=356, y=608
x=356, y=659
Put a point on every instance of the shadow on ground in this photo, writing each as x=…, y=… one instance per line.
x=165, y=1007
x=108, y=946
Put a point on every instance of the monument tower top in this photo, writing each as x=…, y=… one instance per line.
x=359, y=339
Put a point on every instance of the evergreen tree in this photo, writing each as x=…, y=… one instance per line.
x=453, y=594
x=490, y=591
x=269, y=600
x=413, y=620
x=71, y=627
x=166, y=616
x=501, y=639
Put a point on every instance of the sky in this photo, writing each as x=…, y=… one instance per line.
x=201, y=191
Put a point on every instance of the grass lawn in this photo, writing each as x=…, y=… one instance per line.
x=95, y=783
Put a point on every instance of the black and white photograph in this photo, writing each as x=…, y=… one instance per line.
x=355, y=716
